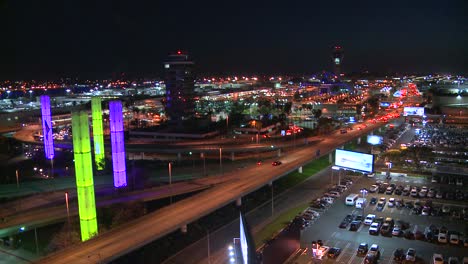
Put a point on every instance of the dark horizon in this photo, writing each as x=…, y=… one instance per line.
x=101, y=40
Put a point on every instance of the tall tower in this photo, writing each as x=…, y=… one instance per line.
x=179, y=80
x=337, y=56
x=84, y=175
x=117, y=144
x=47, y=127
x=98, y=134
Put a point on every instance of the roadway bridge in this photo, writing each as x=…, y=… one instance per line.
x=155, y=225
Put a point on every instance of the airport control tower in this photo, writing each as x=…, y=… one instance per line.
x=337, y=56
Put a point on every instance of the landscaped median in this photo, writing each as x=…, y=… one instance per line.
x=274, y=227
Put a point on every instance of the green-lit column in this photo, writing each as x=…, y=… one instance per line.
x=84, y=175
x=98, y=134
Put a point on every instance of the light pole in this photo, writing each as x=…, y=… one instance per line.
x=170, y=181
x=208, y=245
x=17, y=179
x=334, y=168
x=221, y=160
x=389, y=165
x=363, y=205
x=204, y=164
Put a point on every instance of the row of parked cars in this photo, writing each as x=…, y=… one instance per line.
x=417, y=192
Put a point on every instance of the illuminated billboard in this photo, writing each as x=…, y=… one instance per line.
x=243, y=241
x=354, y=160
x=47, y=127
x=374, y=140
x=411, y=111
x=384, y=104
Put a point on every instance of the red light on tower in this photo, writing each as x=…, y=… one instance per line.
x=179, y=52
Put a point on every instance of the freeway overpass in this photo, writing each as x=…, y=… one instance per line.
x=135, y=234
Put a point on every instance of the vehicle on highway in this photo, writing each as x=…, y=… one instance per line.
x=362, y=249
x=369, y=219
x=334, y=252
x=437, y=259
x=259, y=162
x=411, y=255
x=276, y=163
x=399, y=255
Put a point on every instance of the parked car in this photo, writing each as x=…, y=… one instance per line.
x=437, y=259
x=334, y=252
x=362, y=249
x=354, y=226
x=396, y=231
x=453, y=260
x=442, y=238
x=391, y=202
x=380, y=206
x=369, y=219
x=374, y=229
x=411, y=255
x=399, y=255
x=454, y=239
x=373, y=201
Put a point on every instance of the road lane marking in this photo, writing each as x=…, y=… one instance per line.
x=352, y=258
x=360, y=228
x=391, y=211
x=342, y=252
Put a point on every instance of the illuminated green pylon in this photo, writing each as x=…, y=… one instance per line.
x=84, y=175
x=98, y=133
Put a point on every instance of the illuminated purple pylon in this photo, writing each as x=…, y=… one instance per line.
x=47, y=127
x=117, y=143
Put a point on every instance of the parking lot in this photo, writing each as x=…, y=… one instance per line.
x=326, y=227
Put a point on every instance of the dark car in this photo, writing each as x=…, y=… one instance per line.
x=334, y=252
x=371, y=259
x=276, y=163
x=354, y=225
x=408, y=234
x=343, y=224
x=362, y=249
x=399, y=254
x=373, y=200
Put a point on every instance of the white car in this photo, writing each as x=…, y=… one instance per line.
x=374, y=188
x=454, y=239
x=396, y=231
x=382, y=199
x=411, y=255
x=391, y=202
x=437, y=259
x=374, y=229
x=369, y=219
x=442, y=238
x=374, y=249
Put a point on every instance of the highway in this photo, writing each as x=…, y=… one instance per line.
x=46, y=211
x=135, y=234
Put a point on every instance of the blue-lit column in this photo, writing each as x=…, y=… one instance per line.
x=117, y=143
x=47, y=127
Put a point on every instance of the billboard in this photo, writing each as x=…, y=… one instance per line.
x=408, y=111
x=374, y=140
x=354, y=160
x=243, y=242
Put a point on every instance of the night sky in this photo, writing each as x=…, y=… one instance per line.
x=103, y=38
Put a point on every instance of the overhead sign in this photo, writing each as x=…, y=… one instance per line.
x=411, y=111
x=354, y=160
x=374, y=140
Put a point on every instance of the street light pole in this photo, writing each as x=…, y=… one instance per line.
x=208, y=245
x=221, y=160
x=17, y=179
x=170, y=182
